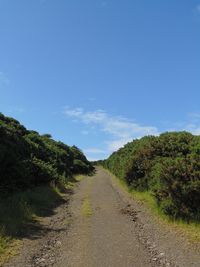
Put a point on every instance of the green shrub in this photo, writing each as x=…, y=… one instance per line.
x=28, y=159
x=178, y=187
x=168, y=166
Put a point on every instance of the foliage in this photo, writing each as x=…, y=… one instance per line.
x=28, y=159
x=168, y=166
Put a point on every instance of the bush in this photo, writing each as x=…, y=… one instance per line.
x=28, y=159
x=168, y=166
x=178, y=187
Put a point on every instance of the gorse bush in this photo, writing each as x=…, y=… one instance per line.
x=34, y=170
x=28, y=159
x=168, y=166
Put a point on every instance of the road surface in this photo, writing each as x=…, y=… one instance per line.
x=102, y=226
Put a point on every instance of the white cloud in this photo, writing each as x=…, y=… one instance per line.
x=92, y=158
x=73, y=112
x=191, y=124
x=116, y=144
x=94, y=151
x=120, y=129
x=116, y=126
x=193, y=129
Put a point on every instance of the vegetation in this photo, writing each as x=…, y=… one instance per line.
x=28, y=159
x=168, y=167
x=86, y=208
x=32, y=168
x=20, y=213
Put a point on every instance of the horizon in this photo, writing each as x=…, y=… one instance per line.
x=98, y=74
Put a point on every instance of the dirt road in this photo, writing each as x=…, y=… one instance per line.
x=103, y=227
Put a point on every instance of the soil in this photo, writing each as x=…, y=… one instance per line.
x=102, y=226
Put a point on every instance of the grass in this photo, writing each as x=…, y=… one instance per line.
x=191, y=230
x=8, y=249
x=86, y=208
x=17, y=211
x=21, y=209
x=79, y=177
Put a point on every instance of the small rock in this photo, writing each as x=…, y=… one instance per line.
x=40, y=260
x=58, y=243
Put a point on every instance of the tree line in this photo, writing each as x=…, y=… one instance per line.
x=28, y=159
x=167, y=166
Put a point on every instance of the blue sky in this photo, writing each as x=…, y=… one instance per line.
x=98, y=73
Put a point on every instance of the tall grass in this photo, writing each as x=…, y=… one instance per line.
x=17, y=211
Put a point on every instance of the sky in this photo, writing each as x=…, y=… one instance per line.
x=99, y=73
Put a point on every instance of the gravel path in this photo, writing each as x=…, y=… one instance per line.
x=104, y=227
